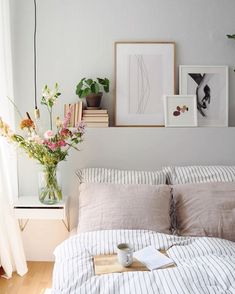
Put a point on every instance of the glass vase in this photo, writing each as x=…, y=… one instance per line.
x=49, y=188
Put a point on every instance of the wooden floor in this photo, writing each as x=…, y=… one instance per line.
x=35, y=281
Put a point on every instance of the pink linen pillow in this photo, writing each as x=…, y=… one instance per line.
x=205, y=209
x=119, y=206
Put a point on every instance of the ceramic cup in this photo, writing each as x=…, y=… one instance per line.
x=125, y=254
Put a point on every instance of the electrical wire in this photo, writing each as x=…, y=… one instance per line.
x=35, y=54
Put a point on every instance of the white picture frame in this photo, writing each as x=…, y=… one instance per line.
x=180, y=111
x=210, y=85
x=145, y=72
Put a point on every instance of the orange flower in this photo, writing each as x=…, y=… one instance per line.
x=27, y=123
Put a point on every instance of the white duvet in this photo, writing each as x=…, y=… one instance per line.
x=204, y=265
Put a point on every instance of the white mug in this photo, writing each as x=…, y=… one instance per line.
x=125, y=254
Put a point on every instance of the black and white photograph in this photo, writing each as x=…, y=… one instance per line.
x=210, y=85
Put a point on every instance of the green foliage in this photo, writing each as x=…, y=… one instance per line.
x=49, y=96
x=88, y=86
x=231, y=36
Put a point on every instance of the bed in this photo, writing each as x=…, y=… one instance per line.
x=200, y=243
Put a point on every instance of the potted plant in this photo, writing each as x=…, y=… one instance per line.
x=91, y=89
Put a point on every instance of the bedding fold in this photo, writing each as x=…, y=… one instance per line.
x=204, y=265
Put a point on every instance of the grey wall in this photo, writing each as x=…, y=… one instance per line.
x=76, y=38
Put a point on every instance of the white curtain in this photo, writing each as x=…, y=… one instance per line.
x=12, y=256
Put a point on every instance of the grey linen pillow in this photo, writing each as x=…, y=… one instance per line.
x=118, y=206
x=116, y=176
x=199, y=174
x=205, y=209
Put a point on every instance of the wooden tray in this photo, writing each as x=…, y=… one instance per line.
x=106, y=264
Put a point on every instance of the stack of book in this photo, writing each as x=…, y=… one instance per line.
x=76, y=110
x=96, y=118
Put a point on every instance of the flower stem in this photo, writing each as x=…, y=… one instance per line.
x=50, y=191
x=50, y=119
x=50, y=116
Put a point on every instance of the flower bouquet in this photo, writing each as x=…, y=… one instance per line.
x=48, y=148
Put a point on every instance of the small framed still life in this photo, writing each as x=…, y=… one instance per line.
x=180, y=111
x=210, y=85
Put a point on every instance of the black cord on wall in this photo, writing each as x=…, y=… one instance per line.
x=35, y=54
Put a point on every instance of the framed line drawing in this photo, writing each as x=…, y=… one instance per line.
x=180, y=111
x=210, y=85
x=145, y=72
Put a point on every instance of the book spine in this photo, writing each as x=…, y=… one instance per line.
x=79, y=112
x=97, y=125
x=72, y=120
x=75, y=113
x=95, y=119
x=95, y=115
x=104, y=111
x=65, y=109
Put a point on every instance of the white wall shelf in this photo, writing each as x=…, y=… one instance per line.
x=29, y=207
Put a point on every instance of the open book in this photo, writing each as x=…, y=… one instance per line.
x=152, y=258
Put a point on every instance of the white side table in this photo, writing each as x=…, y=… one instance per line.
x=28, y=207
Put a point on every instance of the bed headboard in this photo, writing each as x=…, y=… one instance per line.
x=152, y=148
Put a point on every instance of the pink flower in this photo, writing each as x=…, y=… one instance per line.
x=65, y=132
x=67, y=117
x=36, y=139
x=52, y=146
x=81, y=127
x=61, y=143
x=48, y=134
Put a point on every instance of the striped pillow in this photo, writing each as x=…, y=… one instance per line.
x=199, y=174
x=115, y=176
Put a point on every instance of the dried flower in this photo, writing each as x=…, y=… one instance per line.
x=27, y=123
x=5, y=129
x=58, y=122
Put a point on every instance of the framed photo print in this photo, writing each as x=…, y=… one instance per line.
x=144, y=73
x=180, y=111
x=210, y=85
